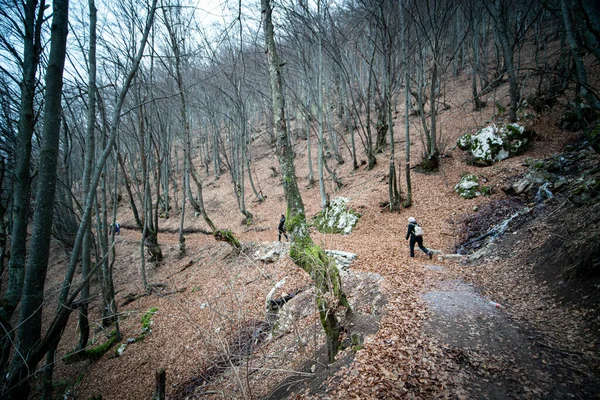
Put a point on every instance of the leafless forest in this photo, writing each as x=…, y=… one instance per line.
x=148, y=149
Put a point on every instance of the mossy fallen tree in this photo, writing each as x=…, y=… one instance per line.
x=225, y=235
x=93, y=353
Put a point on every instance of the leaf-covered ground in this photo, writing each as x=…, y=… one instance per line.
x=438, y=334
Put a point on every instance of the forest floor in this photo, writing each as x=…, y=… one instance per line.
x=505, y=325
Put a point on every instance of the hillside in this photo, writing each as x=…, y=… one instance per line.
x=505, y=324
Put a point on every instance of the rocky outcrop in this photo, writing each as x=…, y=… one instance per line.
x=336, y=218
x=574, y=172
x=343, y=259
x=495, y=143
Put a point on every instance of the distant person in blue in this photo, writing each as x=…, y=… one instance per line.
x=415, y=233
x=116, y=228
x=282, y=228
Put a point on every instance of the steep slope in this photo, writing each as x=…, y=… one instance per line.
x=209, y=331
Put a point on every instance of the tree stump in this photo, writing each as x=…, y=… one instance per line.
x=159, y=389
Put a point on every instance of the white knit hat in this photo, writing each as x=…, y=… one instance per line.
x=412, y=219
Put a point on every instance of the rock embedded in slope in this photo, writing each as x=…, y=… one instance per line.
x=336, y=218
x=469, y=187
x=495, y=143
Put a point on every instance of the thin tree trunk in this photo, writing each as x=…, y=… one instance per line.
x=408, y=201
x=311, y=175
x=577, y=58
x=371, y=160
x=501, y=28
x=478, y=104
x=127, y=183
x=90, y=148
x=320, y=117
x=394, y=194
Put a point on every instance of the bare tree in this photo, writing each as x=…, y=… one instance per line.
x=303, y=251
x=30, y=317
x=32, y=48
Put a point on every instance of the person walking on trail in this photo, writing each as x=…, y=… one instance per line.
x=415, y=233
x=282, y=228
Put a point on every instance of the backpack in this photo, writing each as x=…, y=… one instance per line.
x=418, y=230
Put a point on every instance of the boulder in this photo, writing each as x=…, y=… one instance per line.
x=336, y=218
x=468, y=187
x=343, y=259
x=271, y=256
x=495, y=143
x=521, y=186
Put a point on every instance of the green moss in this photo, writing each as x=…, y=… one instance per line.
x=336, y=218
x=94, y=353
x=512, y=132
x=225, y=235
x=292, y=223
x=97, y=352
x=146, y=319
x=464, y=142
x=64, y=386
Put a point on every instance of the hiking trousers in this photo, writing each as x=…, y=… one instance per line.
x=284, y=234
x=418, y=240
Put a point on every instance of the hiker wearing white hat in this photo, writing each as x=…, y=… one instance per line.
x=415, y=233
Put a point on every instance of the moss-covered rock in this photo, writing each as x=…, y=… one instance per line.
x=586, y=191
x=336, y=218
x=469, y=187
x=593, y=137
x=495, y=143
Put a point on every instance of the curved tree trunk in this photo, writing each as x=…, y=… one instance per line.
x=90, y=148
x=303, y=251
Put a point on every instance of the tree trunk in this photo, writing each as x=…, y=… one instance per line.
x=90, y=148
x=577, y=58
x=501, y=28
x=478, y=104
x=30, y=318
x=408, y=201
x=371, y=160
x=320, y=117
x=160, y=385
x=303, y=251
x=393, y=192
x=22, y=182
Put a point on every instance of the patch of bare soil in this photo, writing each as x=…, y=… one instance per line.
x=526, y=325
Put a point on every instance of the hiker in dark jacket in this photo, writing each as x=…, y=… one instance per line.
x=412, y=224
x=282, y=228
